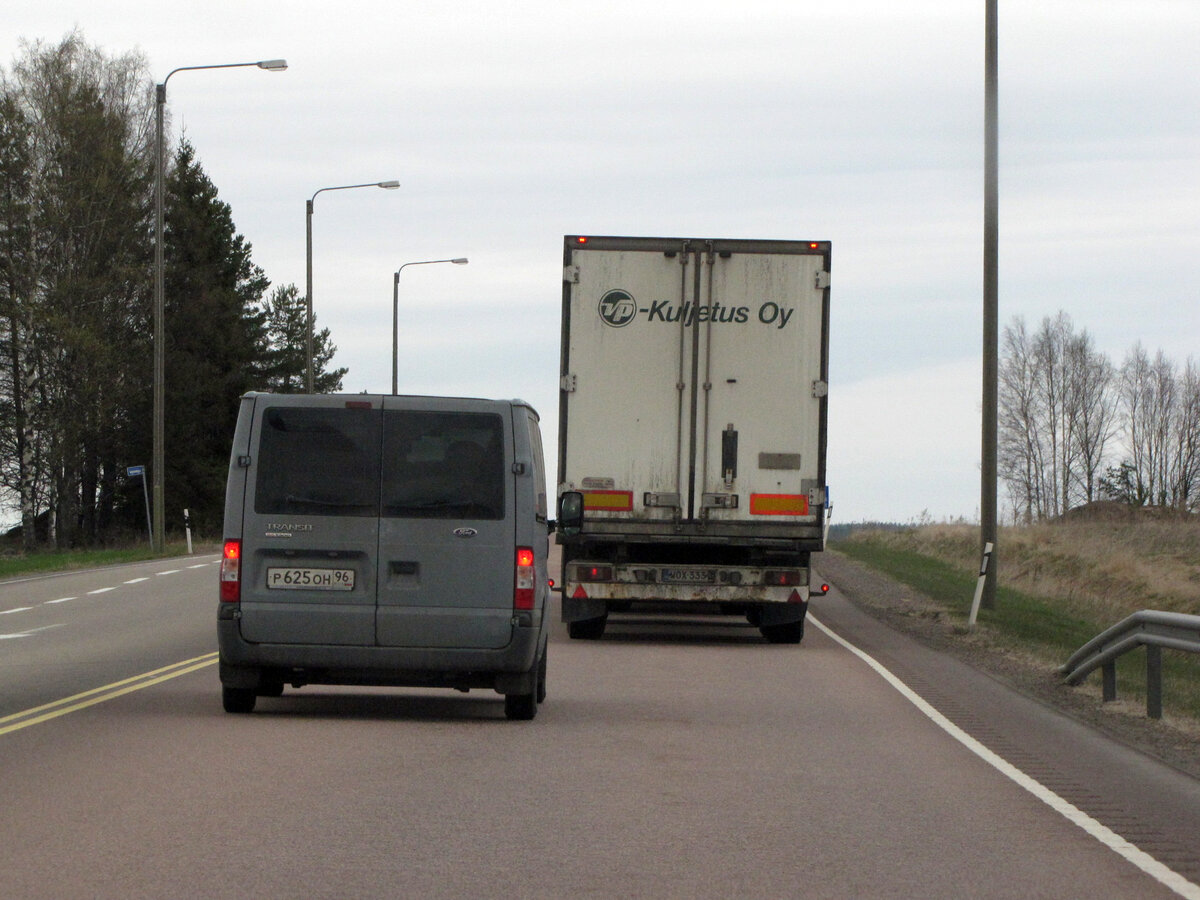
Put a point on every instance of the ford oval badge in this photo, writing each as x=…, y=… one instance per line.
x=465, y=532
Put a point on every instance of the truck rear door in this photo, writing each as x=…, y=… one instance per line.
x=693, y=378
x=760, y=386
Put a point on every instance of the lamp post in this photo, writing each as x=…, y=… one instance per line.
x=458, y=261
x=160, y=101
x=308, y=304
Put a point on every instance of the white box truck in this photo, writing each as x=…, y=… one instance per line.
x=692, y=425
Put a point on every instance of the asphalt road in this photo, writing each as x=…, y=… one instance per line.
x=677, y=757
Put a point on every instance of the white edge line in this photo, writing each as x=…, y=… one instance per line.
x=1109, y=838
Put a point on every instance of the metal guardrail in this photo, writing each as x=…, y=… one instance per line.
x=1151, y=628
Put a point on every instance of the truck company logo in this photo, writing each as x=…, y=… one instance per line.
x=618, y=308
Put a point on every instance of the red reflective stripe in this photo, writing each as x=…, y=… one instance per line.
x=612, y=501
x=779, y=504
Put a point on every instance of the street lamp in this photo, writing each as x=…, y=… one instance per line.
x=308, y=304
x=160, y=101
x=458, y=261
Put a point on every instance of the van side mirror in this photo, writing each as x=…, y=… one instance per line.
x=570, y=513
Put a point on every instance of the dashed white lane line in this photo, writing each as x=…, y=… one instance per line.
x=1161, y=873
x=103, y=590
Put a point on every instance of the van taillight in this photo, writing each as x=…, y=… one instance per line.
x=231, y=572
x=523, y=587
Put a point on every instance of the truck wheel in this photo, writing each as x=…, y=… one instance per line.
x=238, y=700
x=787, y=633
x=587, y=629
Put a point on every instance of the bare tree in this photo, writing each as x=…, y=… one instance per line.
x=1160, y=410
x=1092, y=407
x=1057, y=416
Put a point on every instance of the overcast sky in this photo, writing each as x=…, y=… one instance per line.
x=510, y=124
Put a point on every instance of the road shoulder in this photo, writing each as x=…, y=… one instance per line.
x=1175, y=743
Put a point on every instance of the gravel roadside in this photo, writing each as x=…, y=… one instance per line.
x=1174, y=741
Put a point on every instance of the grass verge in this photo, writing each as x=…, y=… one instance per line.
x=16, y=564
x=1041, y=628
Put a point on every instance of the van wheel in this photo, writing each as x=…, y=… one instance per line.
x=520, y=706
x=787, y=633
x=541, y=680
x=587, y=629
x=238, y=700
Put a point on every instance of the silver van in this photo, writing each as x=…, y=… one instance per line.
x=384, y=540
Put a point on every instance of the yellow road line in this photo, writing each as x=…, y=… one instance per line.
x=56, y=708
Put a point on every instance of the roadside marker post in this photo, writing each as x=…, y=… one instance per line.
x=983, y=570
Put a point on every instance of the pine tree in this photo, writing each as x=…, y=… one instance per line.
x=215, y=339
x=284, y=369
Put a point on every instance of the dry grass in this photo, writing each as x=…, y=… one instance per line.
x=1103, y=567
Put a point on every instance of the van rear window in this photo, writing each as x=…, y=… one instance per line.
x=318, y=462
x=443, y=465
x=335, y=462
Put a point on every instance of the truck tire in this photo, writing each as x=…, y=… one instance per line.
x=787, y=633
x=587, y=629
x=238, y=700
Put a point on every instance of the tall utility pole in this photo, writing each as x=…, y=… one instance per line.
x=991, y=246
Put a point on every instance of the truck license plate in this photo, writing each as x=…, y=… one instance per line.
x=687, y=575
x=295, y=578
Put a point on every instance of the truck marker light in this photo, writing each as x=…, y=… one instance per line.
x=781, y=577
x=523, y=579
x=231, y=572
x=581, y=240
x=611, y=501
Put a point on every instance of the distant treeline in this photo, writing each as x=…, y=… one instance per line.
x=76, y=294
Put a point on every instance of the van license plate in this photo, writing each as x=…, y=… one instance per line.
x=687, y=576
x=305, y=579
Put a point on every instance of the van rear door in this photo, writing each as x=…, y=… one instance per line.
x=447, y=529
x=310, y=523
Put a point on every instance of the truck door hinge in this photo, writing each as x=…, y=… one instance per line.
x=820, y=389
x=571, y=274
x=822, y=280
x=567, y=382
